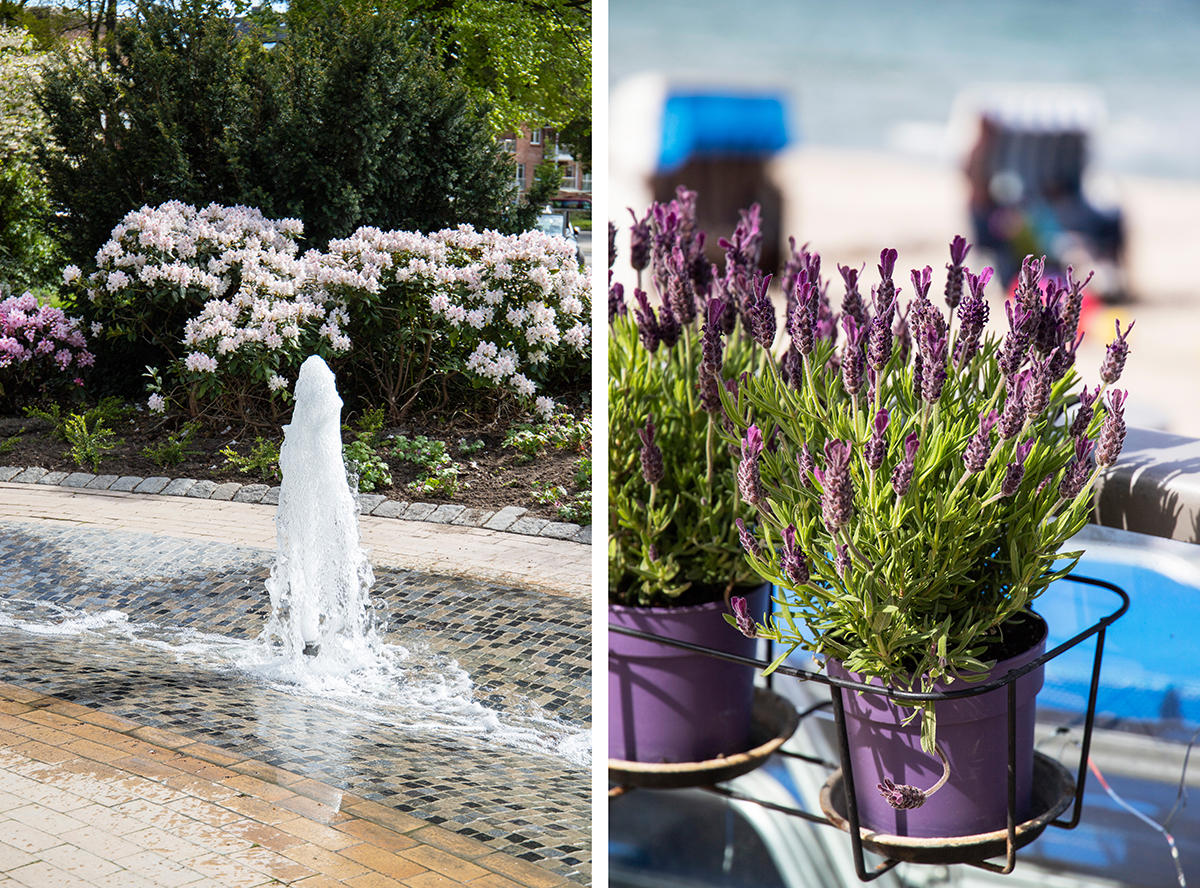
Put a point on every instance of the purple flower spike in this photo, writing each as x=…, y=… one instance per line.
x=876, y=448
x=879, y=343
x=639, y=241
x=612, y=243
x=805, y=465
x=1037, y=395
x=887, y=287
x=902, y=474
x=652, y=460
x=1083, y=416
x=741, y=613
x=972, y=318
x=954, y=270
x=959, y=249
x=1112, y=432
x=1075, y=475
x=669, y=327
x=902, y=797
x=762, y=318
x=979, y=447
x=681, y=291
x=616, y=301
x=711, y=347
x=1014, y=473
x=795, y=565
x=1029, y=291
x=887, y=263
x=648, y=329
x=921, y=282
x=1013, y=416
x=748, y=477
x=933, y=377
x=837, y=498
x=1022, y=322
x=1114, y=357
x=841, y=563
x=852, y=301
x=853, y=356
x=748, y=542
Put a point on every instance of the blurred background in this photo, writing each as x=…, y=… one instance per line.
x=1078, y=121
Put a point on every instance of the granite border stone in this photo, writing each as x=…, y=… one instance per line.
x=179, y=487
x=511, y=519
x=200, y=490
x=152, y=485
x=251, y=493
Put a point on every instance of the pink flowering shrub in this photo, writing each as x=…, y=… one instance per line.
x=498, y=309
x=41, y=349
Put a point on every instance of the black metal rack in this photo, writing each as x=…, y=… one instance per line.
x=1007, y=681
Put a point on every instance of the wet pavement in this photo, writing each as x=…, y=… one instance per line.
x=515, y=783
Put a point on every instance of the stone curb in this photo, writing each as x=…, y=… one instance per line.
x=510, y=519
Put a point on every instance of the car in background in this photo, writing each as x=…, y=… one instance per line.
x=558, y=224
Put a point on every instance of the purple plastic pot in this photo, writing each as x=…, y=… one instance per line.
x=972, y=732
x=666, y=704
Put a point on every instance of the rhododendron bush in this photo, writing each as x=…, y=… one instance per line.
x=497, y=308
x=41, y=349
x=225, y=301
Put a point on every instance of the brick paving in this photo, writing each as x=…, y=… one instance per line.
x=402, y=813
x=89, y=799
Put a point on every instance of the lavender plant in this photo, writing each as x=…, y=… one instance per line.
x=909, y=519
x=672, y=496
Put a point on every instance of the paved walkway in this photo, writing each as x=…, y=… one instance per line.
x=91, y=799
x=557, y=567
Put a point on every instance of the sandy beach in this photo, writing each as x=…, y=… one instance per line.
x=849, y=204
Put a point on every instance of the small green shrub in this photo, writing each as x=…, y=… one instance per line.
x=470, y=448
x=263, y=459
x=110, y=410
x=88, y=446
x=11, y=441
x=563, y=432
x=175, y=449
x=576, y=508
x=440, y=473
x=364, y=462
x=362, y=454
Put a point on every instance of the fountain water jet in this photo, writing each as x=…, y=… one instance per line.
x=320, y=606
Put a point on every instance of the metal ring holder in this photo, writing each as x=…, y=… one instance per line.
x=1058, y=790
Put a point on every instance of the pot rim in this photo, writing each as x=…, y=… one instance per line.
x=943, y=684
x=679, y=608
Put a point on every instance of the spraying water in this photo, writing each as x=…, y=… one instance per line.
x=321, y=579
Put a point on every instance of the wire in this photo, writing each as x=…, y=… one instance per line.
x=1180, y=798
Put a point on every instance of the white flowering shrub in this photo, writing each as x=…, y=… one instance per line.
x=214, y=293
x=21, y=121
x=229, y=306
x=500, y=309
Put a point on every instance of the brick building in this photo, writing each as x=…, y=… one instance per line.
x=531, y=146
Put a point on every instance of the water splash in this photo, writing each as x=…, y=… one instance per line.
x=321, y=618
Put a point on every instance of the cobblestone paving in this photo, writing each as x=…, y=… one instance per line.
x=526, y=653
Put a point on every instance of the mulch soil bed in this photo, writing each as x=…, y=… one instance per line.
x=490, y=478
